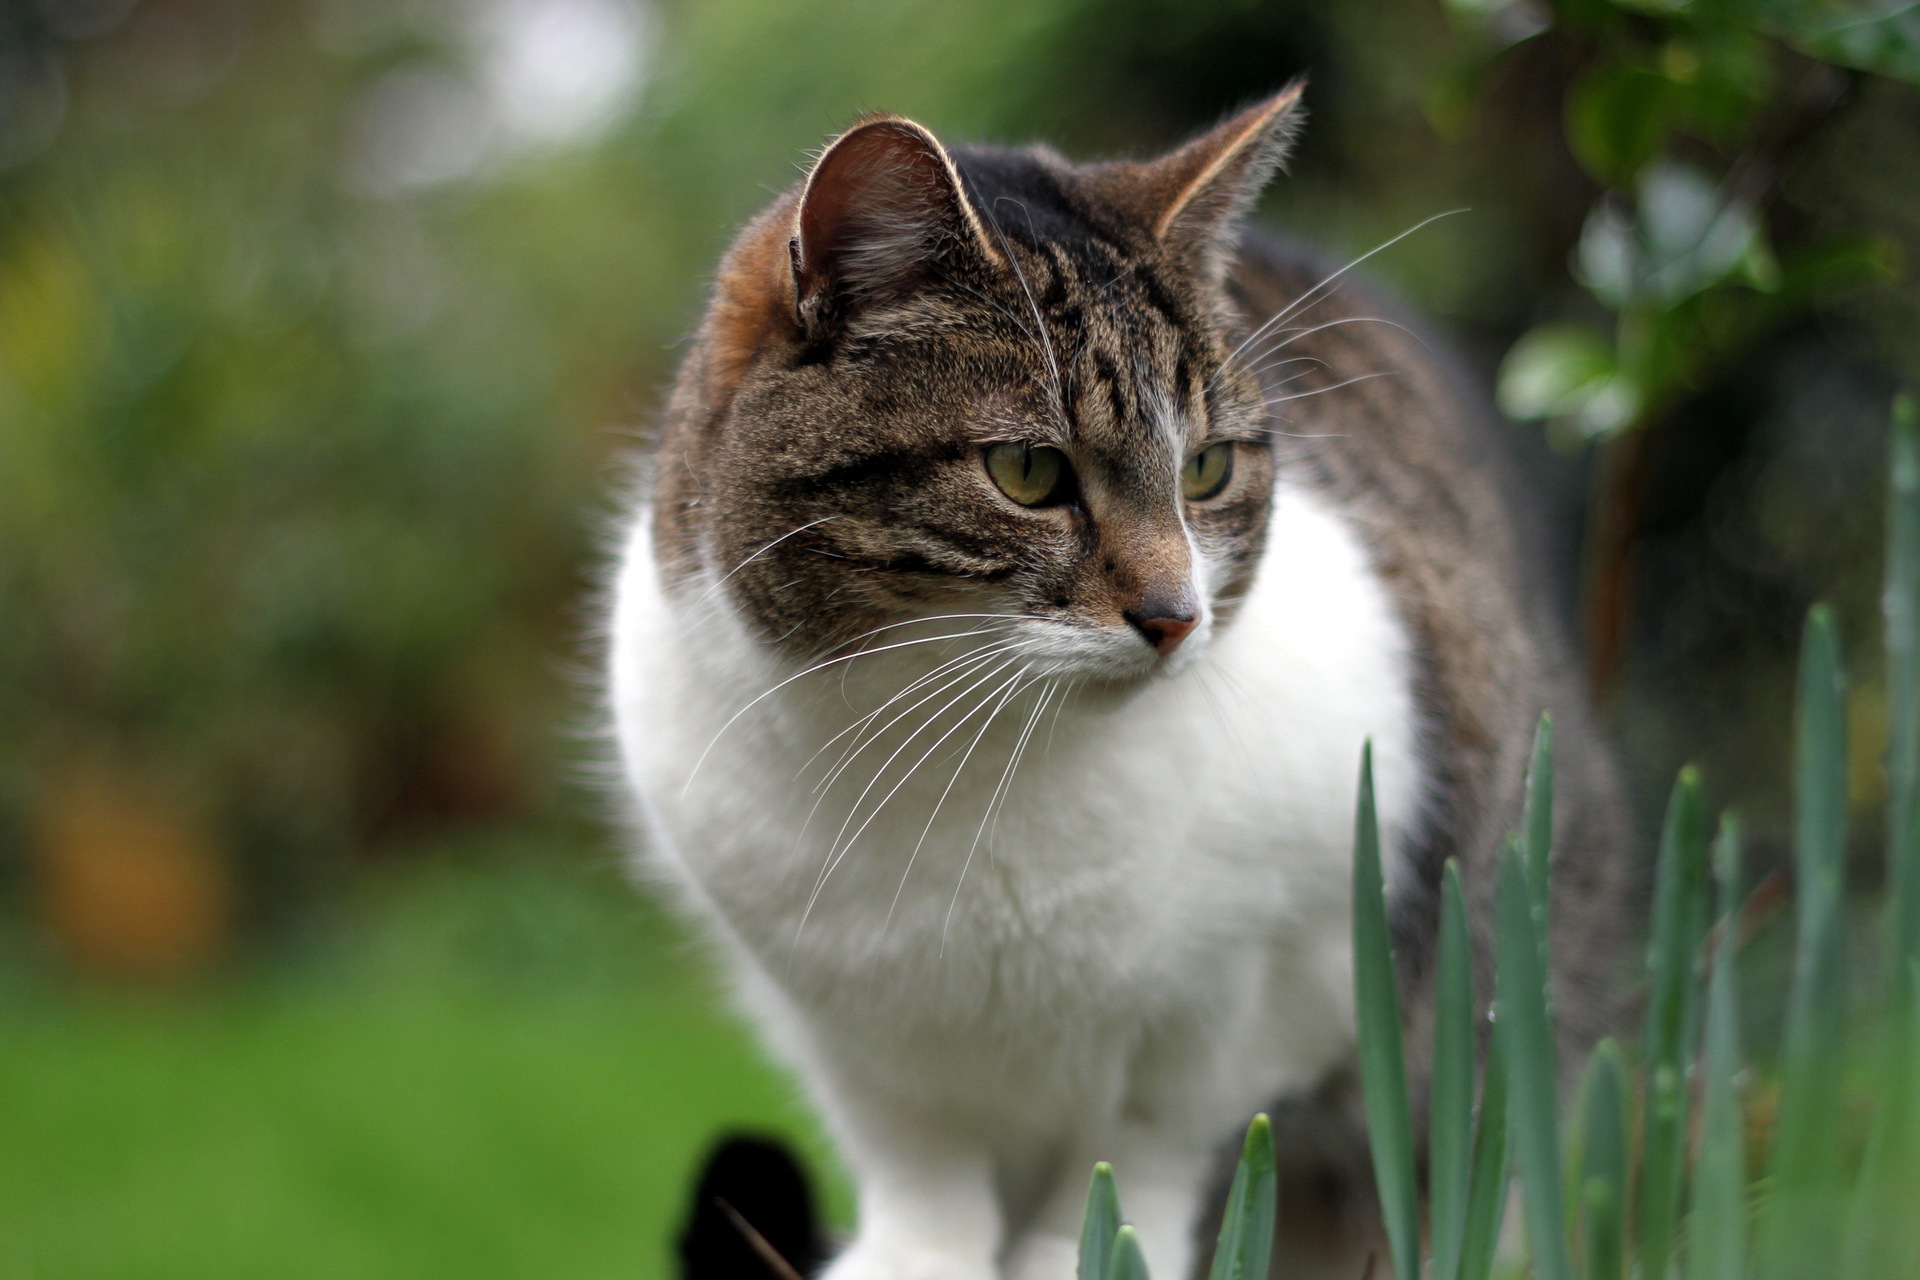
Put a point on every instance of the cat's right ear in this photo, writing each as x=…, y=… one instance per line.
x=881, y=209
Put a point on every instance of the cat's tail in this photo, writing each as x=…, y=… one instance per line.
x=752, y=1216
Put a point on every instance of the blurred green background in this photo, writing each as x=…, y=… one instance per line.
x=325, y=326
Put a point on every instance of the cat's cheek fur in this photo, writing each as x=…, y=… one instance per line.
x=1150, y=944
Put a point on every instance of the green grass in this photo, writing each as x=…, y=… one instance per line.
x=504, y=1066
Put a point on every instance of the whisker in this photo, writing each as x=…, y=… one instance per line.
x=1320, y=391
x=863, y=741
x=811, y=524
x=824, y=789
x=934, y=816
x=1295, y=305
x=838, y=850
x=816, y=667
x=992, y=802
x=1290, y=336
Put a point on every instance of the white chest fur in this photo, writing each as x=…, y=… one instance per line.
x=1172, y=862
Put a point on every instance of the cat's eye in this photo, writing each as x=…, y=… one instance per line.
x=1207, y=472
x=1028, y=473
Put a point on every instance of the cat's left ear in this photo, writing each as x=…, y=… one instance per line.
x=883, y=205
x=1194, y=198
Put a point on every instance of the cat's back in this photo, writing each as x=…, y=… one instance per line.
x=1375, y=413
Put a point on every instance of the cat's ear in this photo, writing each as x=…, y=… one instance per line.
x=1194, y=198
x=883, y=205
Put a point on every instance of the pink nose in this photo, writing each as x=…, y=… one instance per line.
x=1163, y=633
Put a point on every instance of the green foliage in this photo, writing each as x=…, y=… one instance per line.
x=1450, y=1111
x=1383, y=1073
x=1102, y=1221
x=1717, y=1249
x=1110, y=1250
x=1679, y=922
x=1816, y=1210
x=1678, y=255
x=1602, y=1176
x=1246, y=1228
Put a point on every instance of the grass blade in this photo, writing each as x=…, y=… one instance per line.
x=1246, y=1229
x=1526, y=1031
x=1100, y=1224
x=1492, y=1155
x=1538, y=825
x=1603, y=1163
x=1383, y=1069
x=1126, y=1262
x=1450, y=1108
x=1679, y=923
x=1717, y=1224
x=1900, y=605
x=1799, y=1236
x=1884, y=1231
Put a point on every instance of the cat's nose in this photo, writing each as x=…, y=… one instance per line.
x=1163, y=625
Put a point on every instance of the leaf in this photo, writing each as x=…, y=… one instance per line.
x=1383, y=1070
x=1245, y=1246
x=1492, y=1150
x=1618, y=118
x=1603, y=1163
x=1101, y=1221
x=1717, y=1223
x=1450, y=1109
x=1800, y=1230
x=1526, y=1033
x=1565, y=372
x=1537, y=823
x=1126, y=1262
x=1679, y=922
x=1887, y=42
x=1608, y=258
x=1693, y=236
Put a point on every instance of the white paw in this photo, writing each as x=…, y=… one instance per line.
x=883, y=1260
x=1044, y=1257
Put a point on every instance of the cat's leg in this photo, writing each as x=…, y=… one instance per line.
x=926, y=1201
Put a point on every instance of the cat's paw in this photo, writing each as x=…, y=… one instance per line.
x=893, y=1261
x=1044, y=1257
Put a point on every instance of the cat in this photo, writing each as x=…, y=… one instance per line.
x=1027, y=552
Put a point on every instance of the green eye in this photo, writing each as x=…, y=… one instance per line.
x=1027, y=473
x=1207, y=472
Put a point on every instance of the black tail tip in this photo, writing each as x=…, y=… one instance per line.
x=752, y=1216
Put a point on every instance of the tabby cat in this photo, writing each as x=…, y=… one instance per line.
x=1027, y=554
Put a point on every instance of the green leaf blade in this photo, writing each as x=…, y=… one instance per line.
x=1245, y=1246
x=1383, y=1070
x=1450, y=1108
x=1603, y=1164
x=1800, y=1231
x=1679, y=923
x=1526, y=1032
x=1492, y=1157
x=1717, y=1224
x=1126, y=1262
x=1100, y=1224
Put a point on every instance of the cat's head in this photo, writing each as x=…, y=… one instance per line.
x=982, y=386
